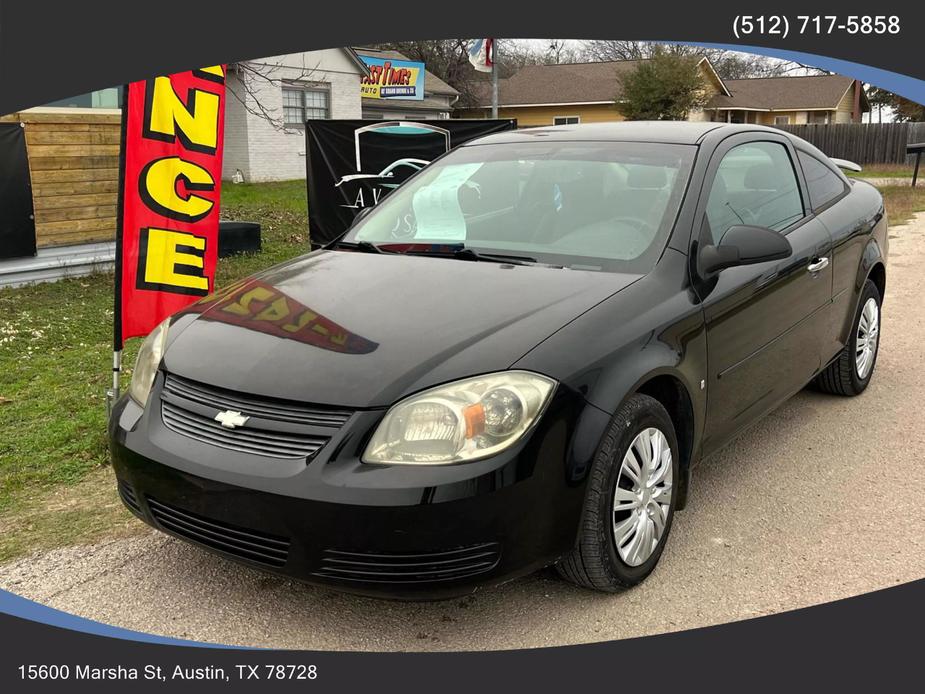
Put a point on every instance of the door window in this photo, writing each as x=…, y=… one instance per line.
x=756, y=185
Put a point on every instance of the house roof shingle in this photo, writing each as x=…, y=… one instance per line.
x=785, y=93
x=601, y=82
x=560, y=84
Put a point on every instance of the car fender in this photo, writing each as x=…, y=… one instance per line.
x=688, y=414
x=649, y=330
x=872, y=256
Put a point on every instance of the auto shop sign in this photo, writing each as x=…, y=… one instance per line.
x=392, y=79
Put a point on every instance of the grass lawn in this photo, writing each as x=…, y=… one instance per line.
x=902, y=202
x=55, y=352
x=885, y=171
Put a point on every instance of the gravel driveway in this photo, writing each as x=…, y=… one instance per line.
x=820, y=501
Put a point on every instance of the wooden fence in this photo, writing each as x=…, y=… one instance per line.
x=74, y=164
x=873, y=143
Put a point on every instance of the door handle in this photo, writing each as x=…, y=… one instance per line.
x=817, y=265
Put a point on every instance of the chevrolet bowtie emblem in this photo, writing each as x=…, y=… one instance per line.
x=230, y=419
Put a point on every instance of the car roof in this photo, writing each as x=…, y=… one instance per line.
x=670, y=132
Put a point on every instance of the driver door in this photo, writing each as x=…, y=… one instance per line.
x=764, y=322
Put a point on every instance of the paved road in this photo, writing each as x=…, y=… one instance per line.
x=822, y=500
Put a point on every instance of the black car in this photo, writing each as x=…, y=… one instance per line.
x=515, y=360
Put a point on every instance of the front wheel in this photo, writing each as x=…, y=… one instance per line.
x=630, y=501
x=852, y=370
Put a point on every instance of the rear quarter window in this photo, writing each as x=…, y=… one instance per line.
x=824, y=185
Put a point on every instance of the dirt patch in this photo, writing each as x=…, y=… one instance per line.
x=85, y=512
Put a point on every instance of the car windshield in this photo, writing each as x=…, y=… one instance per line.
x=584, y=205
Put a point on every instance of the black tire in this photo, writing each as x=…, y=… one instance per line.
x=595, y=562
x=841, y=377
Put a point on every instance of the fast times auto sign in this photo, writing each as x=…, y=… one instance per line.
x=173, y=129
x=390, y=78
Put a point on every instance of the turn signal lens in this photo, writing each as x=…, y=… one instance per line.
x=475, y=420
x=462, y=421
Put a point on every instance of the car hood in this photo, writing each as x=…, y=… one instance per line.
x=363, y=330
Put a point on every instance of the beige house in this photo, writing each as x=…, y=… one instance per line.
x=590, y=93
x=791, y=100
x=571, y=93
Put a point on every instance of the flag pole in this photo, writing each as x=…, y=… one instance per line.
x=494, y=78
x=112, y=395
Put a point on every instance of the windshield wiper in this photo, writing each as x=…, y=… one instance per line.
x=471, y=254
x=446, y=250
x=362, y=246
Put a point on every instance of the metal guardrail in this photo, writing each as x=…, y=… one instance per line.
x=916, y=148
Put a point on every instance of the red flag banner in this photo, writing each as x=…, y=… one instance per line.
x=170, y=182
x=258, y=306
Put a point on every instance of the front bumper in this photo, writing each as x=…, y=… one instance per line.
x=392, y=531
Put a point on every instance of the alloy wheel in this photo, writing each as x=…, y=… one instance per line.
x=868, y=336
x=642, y=497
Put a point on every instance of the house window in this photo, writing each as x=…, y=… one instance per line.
x=566, y=120
x=304, y=103
x=102, y=98
x=781, y=120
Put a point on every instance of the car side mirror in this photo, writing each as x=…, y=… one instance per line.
x=744, y=245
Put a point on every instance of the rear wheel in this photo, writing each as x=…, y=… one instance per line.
x=850, y=373
x=630, y=501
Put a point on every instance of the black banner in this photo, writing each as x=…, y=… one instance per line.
x=17, y=219
x=353, y=164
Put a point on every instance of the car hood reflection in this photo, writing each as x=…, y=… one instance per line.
x=363, y=330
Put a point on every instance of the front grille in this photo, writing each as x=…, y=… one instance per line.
x=244, y=439
x=429, y=567
x=265, y=408
x=128, y=497
x=246, y=544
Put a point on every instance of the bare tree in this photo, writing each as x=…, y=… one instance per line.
x=899, y=108
x=879, y=98
x=514, y=55
x=728, y=64
x=612, y=50
x=561, y=51
x=254, y=77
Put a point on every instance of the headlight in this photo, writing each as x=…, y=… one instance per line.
x=149, y=357
x=462, y=421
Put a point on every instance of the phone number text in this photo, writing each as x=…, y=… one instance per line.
x=782, y=25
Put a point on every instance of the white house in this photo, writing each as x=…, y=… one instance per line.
x=269, y=100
